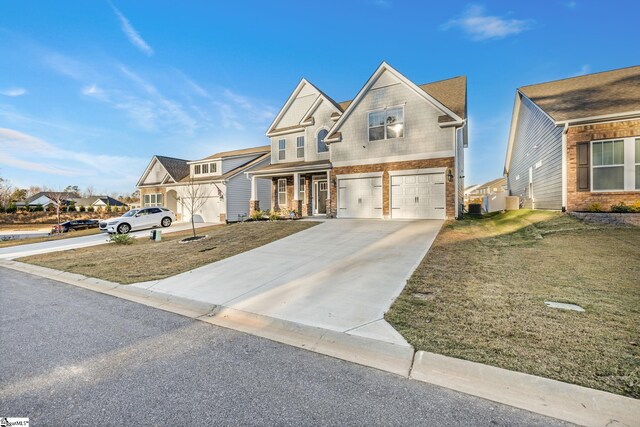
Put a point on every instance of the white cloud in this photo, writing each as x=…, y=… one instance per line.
x=585, y=69
x=480, y=26
x=95, y=92
x=28, y=152
x=13, y=91
x=131, y=33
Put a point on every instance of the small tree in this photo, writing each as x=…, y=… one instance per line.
x=6, y=191
x=194, y=196
x=58, y=200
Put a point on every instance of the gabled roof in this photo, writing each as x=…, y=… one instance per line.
x=65, y=195
x=230, y=174
x=451, y=91
x=591, y=95
x=107, y=200
x=241, y=152
x=176, y=168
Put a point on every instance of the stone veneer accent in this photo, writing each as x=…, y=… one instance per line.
x=447, y=162
x=609, y=218
x=302, y=207
x=581, y=200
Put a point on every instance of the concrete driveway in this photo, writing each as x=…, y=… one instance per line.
x=340, y=275
x=13, y=252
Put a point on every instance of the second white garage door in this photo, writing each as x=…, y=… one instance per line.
x=418, y=196
x=360, y=197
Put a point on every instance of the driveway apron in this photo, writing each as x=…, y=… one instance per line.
x=341, y=275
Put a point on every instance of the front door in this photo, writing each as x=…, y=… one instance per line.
x=320, y=197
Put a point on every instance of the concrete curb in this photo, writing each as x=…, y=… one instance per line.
x=579, y=405
x=569, y=402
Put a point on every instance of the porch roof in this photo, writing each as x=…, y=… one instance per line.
x=304, y=167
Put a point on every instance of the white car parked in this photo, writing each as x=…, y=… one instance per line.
x=138, y=219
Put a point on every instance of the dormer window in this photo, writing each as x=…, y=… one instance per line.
x=213, y=168
x=205, y=168
x=386, y=124
x=197, y=169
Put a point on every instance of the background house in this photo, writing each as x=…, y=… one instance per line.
x=46, y=199
x=575, y=143
x=97, y=202
x=219, y=178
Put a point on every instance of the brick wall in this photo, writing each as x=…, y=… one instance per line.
x=394, y=166
x=581, y=200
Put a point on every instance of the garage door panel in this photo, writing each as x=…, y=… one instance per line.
x=418, y=196
x=360, y=197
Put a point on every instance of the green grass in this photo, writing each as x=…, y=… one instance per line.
x=479, y=295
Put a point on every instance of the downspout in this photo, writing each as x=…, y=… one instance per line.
x=564, y=167
x=456, y=170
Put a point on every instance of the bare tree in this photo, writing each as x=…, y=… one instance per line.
x=89, y=191
x=194, y=196
x=58, y=199
x=34, y=189
x=6, y=190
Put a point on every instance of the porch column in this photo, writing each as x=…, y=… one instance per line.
x=254, y=188
x=329, y=207
x=296, y=186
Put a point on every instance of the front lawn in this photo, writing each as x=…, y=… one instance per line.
x=146, y=260
x=479, y=295
x=17, y=242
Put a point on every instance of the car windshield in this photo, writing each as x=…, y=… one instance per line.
x=132, y=212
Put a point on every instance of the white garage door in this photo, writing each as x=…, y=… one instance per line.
x=208, y=212
x=360, y=198
x=418, y=196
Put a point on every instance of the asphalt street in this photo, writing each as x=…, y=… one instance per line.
x=71, y=356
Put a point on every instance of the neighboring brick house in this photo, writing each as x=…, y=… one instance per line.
x=394, y=151
x=219, y=178
x=575, y=142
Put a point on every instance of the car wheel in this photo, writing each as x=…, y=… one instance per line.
x=166, y=221
x=124, y=228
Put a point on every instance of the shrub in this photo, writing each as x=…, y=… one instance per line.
x=273, y=215
x=90, y=209
x=622, y=208
x=36, y=208
x=256, y=215
x=595, y=207
x=121, y=239
x=635, y=206
x=12, y=208
x=81, y=208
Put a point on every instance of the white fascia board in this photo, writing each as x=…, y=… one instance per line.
x=315, y=106
x=400, y=158
x=602, y=118
x=423, y=171
x=287, y=104
x=360, y=175
x=512, y=130
x=386, y=67
x=148, y=169
x=286, y=132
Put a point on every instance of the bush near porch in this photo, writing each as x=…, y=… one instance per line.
x=479, y=295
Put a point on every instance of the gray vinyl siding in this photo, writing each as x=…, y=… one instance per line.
x=239, y=193
x=537, y=139
x=229, y=164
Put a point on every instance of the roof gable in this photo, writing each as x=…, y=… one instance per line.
x=303, y=96
x=175, y=169
x=393, y=75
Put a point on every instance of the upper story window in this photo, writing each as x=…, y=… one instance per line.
x=300, y=147
x=386, y=124
x=205, y=168
x=282, y=149
x=197, y=169
x=322, y=147
x=213, y=167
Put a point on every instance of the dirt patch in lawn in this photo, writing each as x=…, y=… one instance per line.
x=146, y=260
x=487, y=281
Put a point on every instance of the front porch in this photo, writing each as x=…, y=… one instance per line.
x=305, y=189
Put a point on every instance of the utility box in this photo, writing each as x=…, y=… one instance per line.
x=512, y=203
x=475, y=209
x=156, y=235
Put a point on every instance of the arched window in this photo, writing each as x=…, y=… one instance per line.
x=322, y=147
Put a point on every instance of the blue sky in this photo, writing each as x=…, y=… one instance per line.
x=90, y=90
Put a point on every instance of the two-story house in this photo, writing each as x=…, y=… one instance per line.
x=394, y=151
x=217, y=181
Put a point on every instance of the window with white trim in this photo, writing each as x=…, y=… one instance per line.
x=607, y=165
x=213, y=167
x=302, y=182
x=322, y=146
x=197, y=169
x=282, y=192
x=205, y=168
x=151, y=200
x=637, y=164
x=300, y=147
x=282, y=148
x=386, y=124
